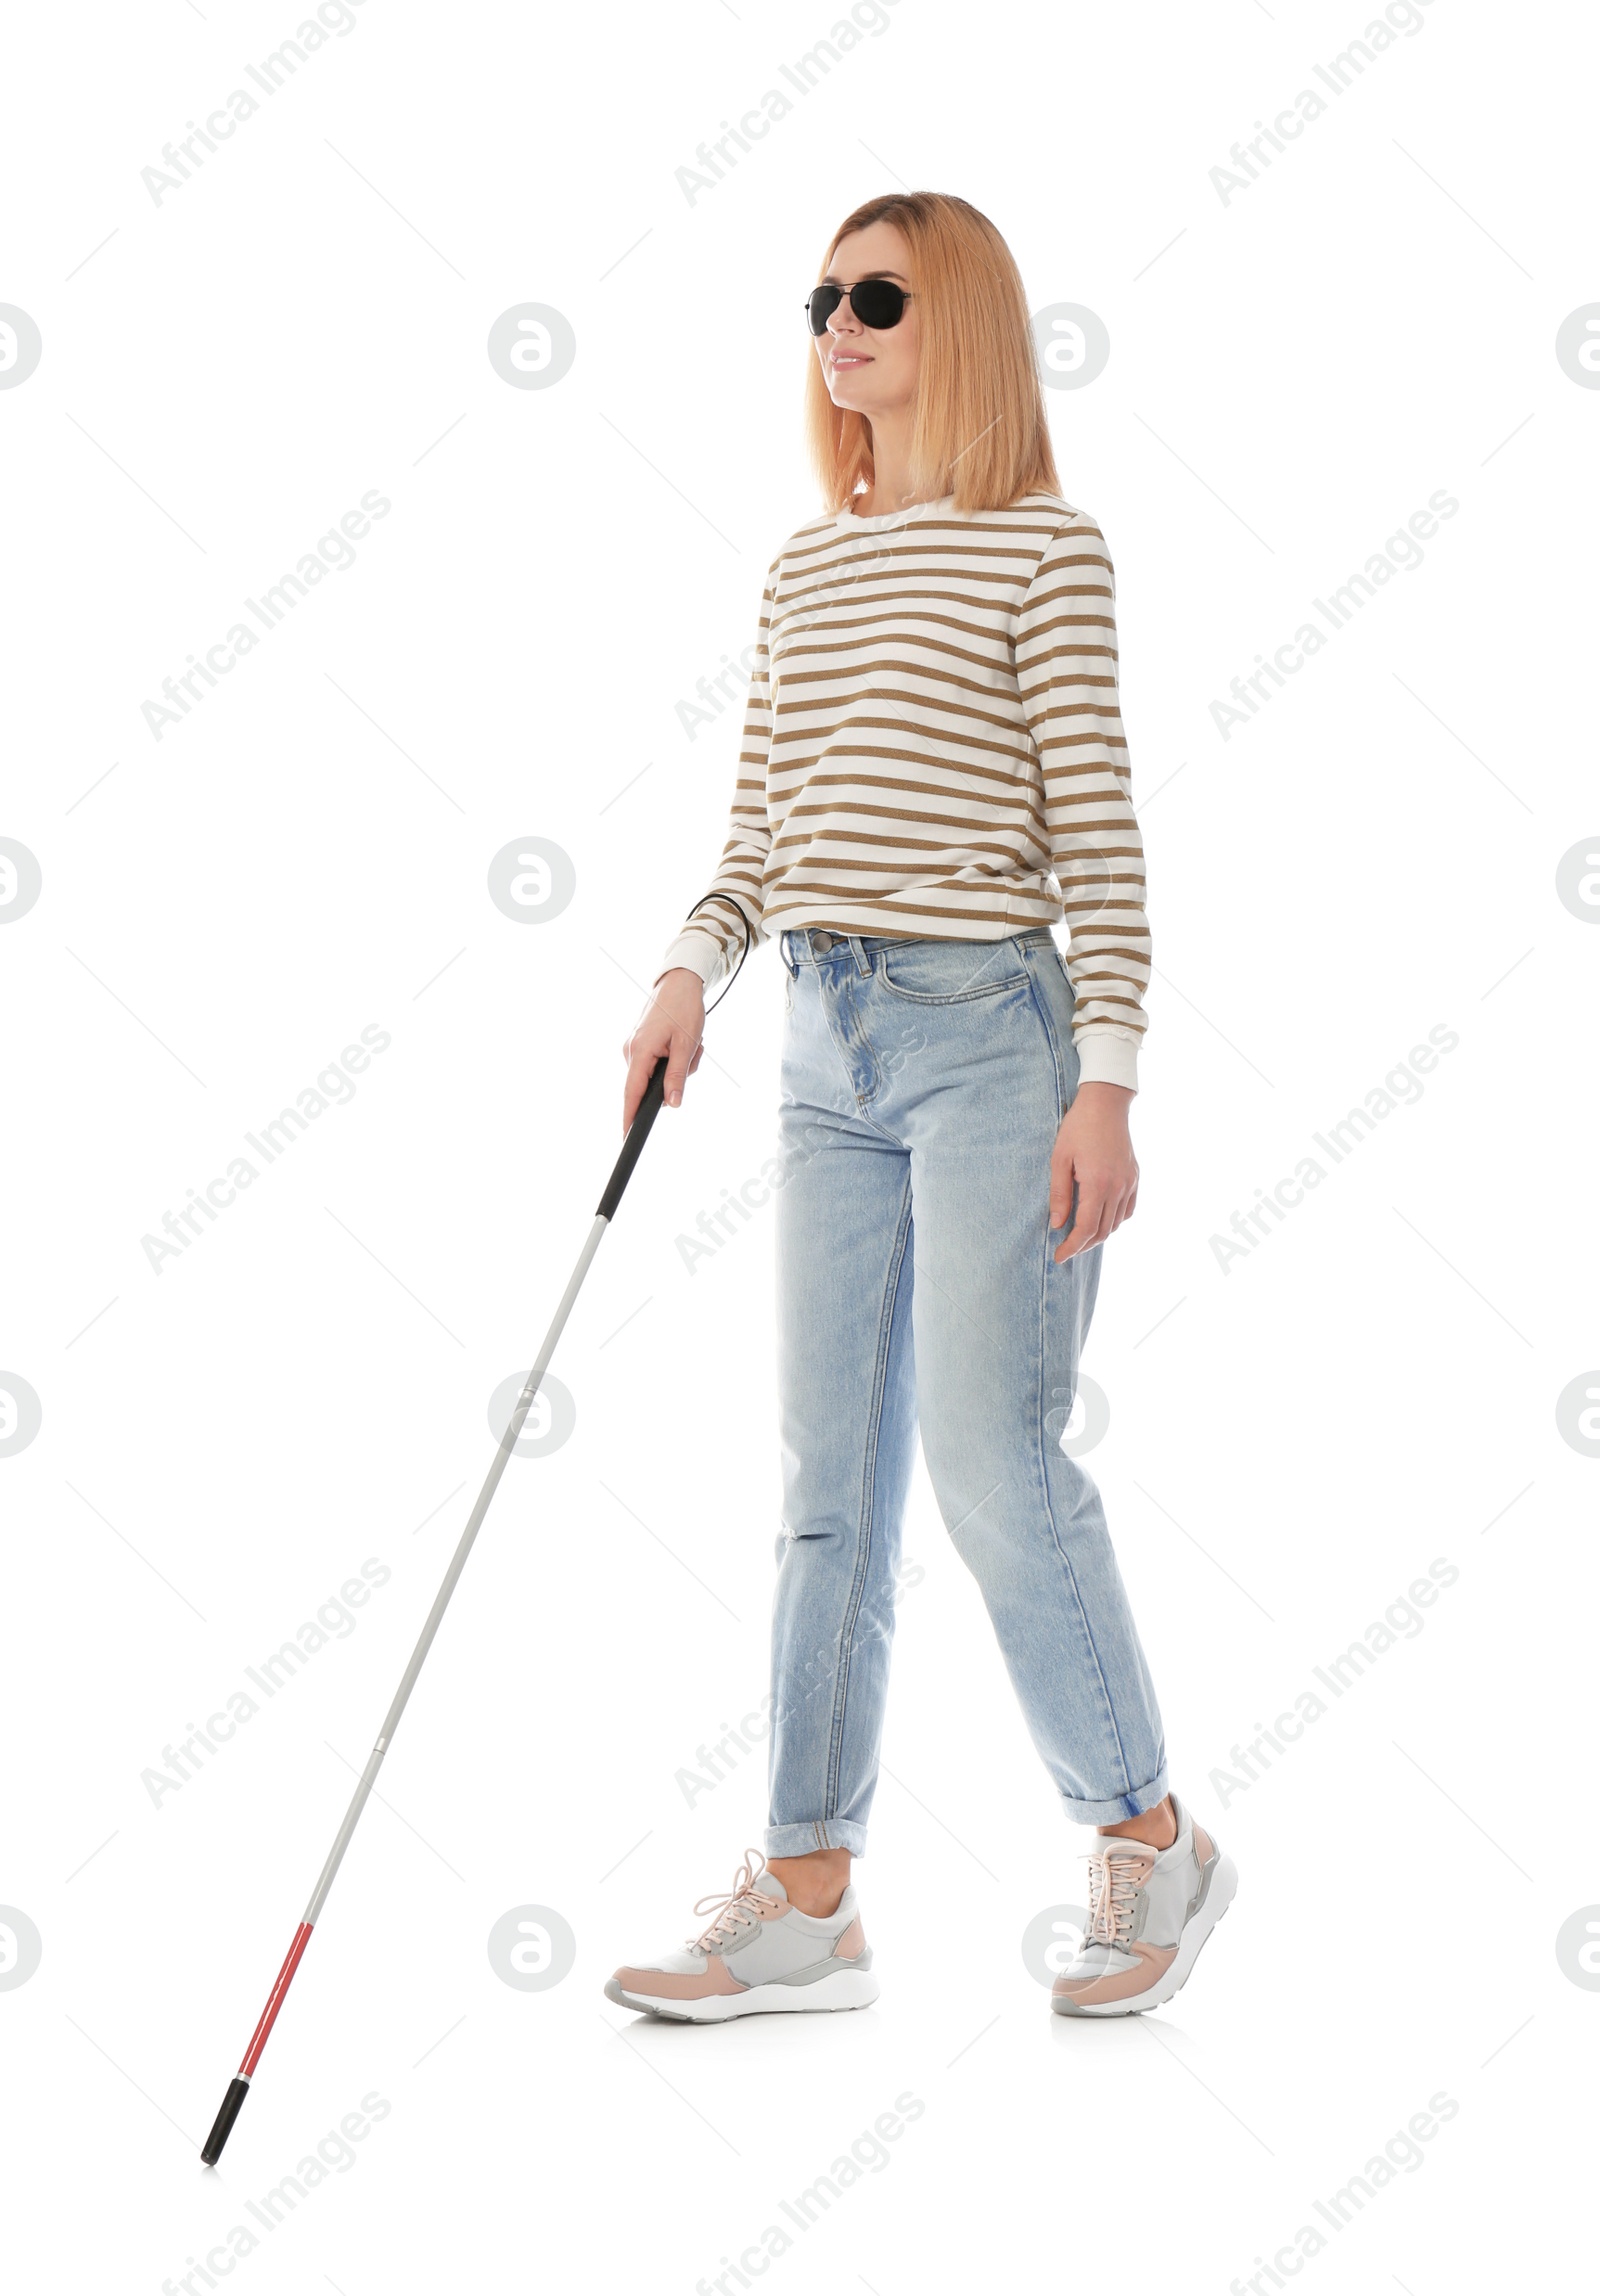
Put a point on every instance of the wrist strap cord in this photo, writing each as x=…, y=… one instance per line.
x=738, y=908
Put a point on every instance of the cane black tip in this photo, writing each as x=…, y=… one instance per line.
x=222, y=2126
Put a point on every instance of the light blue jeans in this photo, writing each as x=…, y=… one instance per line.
x=923, y=1084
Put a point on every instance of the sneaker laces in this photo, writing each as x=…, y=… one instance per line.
x=1114, y=1882
x=742, y=1904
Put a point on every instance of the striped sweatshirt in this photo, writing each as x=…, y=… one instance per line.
x=932, y=744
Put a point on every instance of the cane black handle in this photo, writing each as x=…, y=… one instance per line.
x=644, y=1116
x=222, y=2127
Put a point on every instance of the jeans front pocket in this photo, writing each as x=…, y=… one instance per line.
x=927, y=971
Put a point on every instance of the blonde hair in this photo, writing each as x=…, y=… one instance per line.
x=978, y=428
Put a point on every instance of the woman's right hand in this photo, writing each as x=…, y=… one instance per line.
x=673, y=1022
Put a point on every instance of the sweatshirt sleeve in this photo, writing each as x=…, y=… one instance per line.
x=1066, y=657
x=711, y=940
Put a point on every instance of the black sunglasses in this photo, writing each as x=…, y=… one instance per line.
x=877, y=303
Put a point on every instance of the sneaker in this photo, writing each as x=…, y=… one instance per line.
x=1150, y=1911
x=760, y=1952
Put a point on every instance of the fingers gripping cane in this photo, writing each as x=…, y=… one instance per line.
x=638, y=1132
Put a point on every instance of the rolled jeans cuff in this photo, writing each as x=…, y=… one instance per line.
x=819, y=1834
x=1130, y=1805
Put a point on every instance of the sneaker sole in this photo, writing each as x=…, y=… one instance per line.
x=1218, y=1899
x=844, y=1989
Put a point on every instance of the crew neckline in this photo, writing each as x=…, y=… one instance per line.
x=848, y=518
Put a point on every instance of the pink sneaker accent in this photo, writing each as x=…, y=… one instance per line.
x=681, y=1985
x=1151, y=1964
x=1150, y=1911
x=757, y=1953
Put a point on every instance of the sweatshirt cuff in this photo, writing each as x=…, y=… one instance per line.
x=1107, y=1059
x=699, y=951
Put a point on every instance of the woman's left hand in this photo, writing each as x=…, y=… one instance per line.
x=1094, y=1152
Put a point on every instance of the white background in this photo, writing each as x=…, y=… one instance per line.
x=1292, y=1442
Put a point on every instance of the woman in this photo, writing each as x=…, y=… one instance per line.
x=932, y=729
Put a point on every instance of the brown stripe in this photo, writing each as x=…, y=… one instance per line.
x=934, y=699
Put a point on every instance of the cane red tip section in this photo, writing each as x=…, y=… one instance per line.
x=239, y=2086
x=291, y=1962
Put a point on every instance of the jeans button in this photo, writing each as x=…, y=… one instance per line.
x=824, y=942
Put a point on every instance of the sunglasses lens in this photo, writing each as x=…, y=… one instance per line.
x=875, y=302
x=821, y=304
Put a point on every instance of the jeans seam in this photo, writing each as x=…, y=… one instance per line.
x=857, y=1112
x=1108, y=1704
x=1043, y=1010
x=868, y=1495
